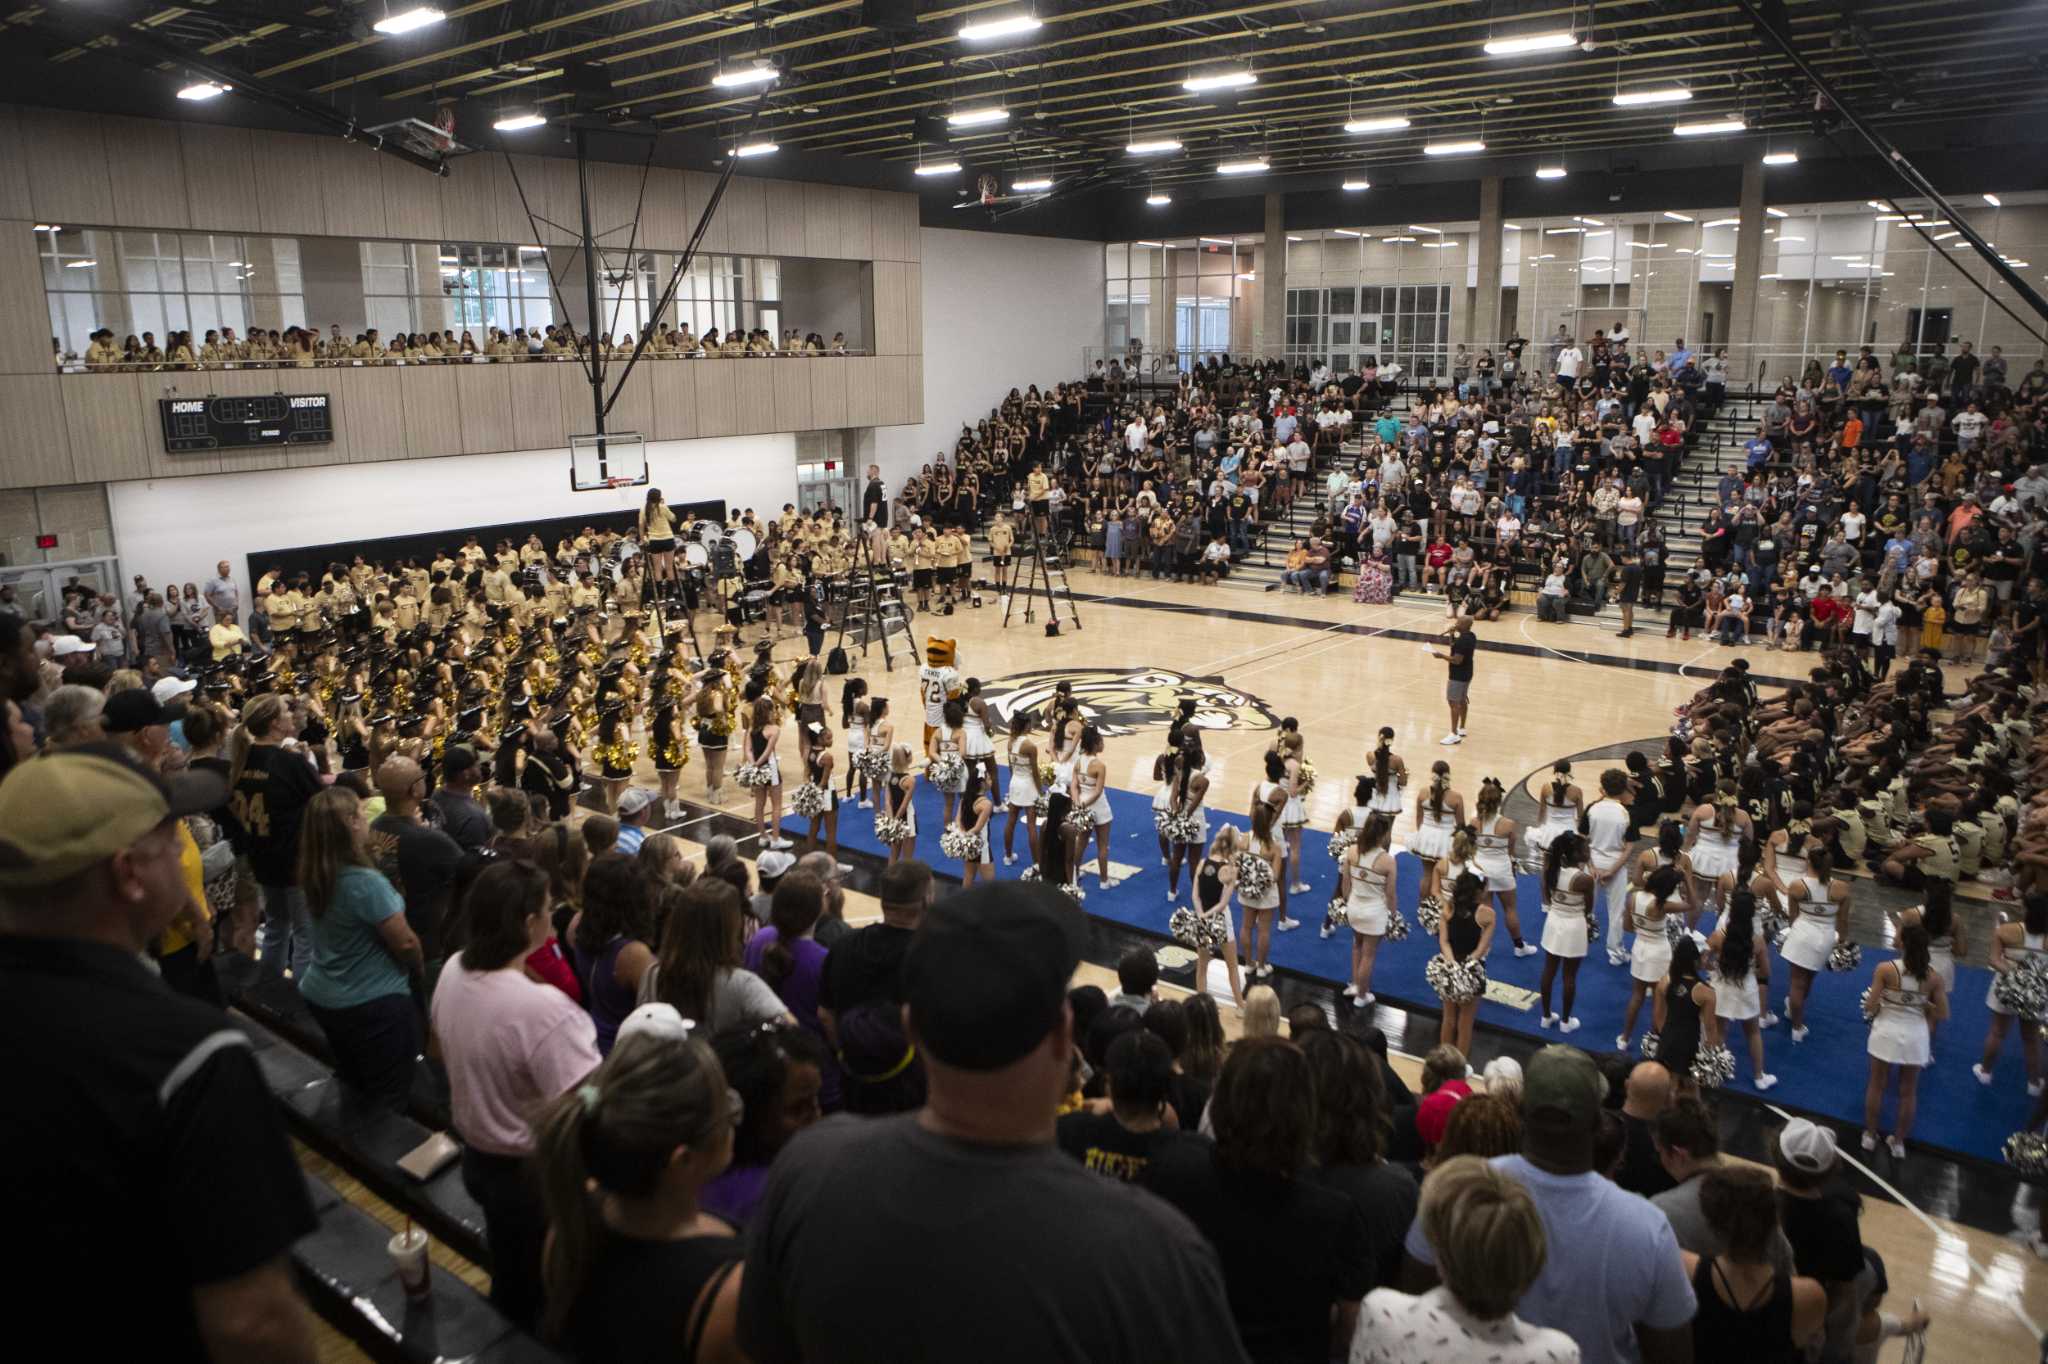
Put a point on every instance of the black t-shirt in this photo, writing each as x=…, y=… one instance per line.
x=1290, y=1249
x=268, y=804
x=1463, y=645
x=865, y=968
x=1641, y=1172
x=1110, y=1149
x=142, y=1146
x=1826, y=1244
x=423, y=864
x=1387, y=1194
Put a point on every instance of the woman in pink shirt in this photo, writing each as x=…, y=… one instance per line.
x=511, y=1045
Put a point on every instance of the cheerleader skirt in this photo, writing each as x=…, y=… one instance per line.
x=1294, y=814
x=1899, y=1040
x=1650, y=959
x=1367, y=913
x=1430, y=843
x=1736, y=1001
x=1808, y=943
x=1565, y=933
x=1023, y=789
x=1498, y=870
x=1712, y=861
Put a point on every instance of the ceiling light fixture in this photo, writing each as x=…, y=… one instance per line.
x=48, y=227
x=1214, y=241
x=1777, y=213
x=1660, y=94
x=1781, y=158
x=1453, y=148
x=1347, y=232
x=977, y=118
x=518, y=122
x=1154, y=245
x=1550, y=172
x=1428, y=231
x=1157, y=200
x=1247, y=274
x=1386, y=123
x=408, y=21
x=1710, y=126
x=1009, y=26
x=1530, y=42
x=1032, y=185
x=1788, y=237
x=937, y=168
x=1394, y=239
x=1590, y=222
x=1561, y=231
x=1357, y=183
x=1220, y=80
x=203, y=90
x=1724, y=222
x=1255, y=166
x=758, y=72
x=1992, y=199
x=1939, y=236
x=79, y=264
x=1678, y=217
x=1153, y=146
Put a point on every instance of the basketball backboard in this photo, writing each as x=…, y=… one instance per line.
x=617, y=459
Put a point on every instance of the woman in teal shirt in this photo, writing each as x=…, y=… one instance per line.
x=359, y=986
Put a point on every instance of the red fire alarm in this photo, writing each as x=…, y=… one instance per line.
x=46, y=542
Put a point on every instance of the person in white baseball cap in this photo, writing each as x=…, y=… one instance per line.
x=168, y=687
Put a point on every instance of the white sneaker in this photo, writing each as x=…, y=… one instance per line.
x=1898, y=1148
x=845, y=868
x=1328, y=930
x=1621, y=1042
x=1547, y=1021
x=1172, y=895
x=1287, y=925
x=1301, y=889
x=1569, y=1025
x=1527, y=949
x=1769, y=1020
x=1364, y=1001
x=1452, y=738
x=1799, y=1034
x=1351, y=992
x=1983, y=1075
x=867, y=805
x=1110, y=883
x=1869, y=1140
x=1009, y=859
x=1764, y=1082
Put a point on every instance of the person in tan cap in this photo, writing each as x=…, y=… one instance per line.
x=149, y=1113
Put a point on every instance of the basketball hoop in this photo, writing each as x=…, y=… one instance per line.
x=989, y=187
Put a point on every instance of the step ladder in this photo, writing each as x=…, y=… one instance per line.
x=872, y=607
x=1045, y=576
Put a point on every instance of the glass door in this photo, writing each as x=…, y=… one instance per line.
x=39, y=588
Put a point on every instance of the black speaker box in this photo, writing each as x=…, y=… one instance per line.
x=890, y=16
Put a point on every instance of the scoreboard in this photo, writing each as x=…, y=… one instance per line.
x=240, y=423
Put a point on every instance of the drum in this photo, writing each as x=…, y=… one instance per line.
x=744, y=544
x=627, y=549
x=696, y=555
x=707, y=531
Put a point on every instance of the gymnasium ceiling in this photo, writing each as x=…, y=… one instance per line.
x=1093, y=78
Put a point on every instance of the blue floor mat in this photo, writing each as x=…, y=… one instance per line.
x=1825, y=1075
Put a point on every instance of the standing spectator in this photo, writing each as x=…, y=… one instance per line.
x=1647, y=1095
x=462, y=815
x=1749, y=1308
x=146, y=1103
x=1124, y=1143
x=1353, y=1121
x=154, y=638
x=420, y=860
x=268, y=787
x=854, y=1211
x=221, y=593
x=1689, y=1144
x=1632, y=1302
x=226, y=638
x=1819, y=1217
x=634, y=806
x=866, y=966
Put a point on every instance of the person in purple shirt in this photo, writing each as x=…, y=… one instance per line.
x=778, y=1071
x=786, y=956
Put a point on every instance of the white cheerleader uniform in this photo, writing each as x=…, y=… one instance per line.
x=1737, y=1001
x=1565, y=931
x=1086, y=786
x=978, y=744
x=1432, y=838
x=1270, y=900
x=856, y=744
x=1366, y=910
x=1650, y=959
x=1494, y=858
x=1392, y=800
x=1812, y=937
x=980, y=845
x=1556, y=819
x=2030, y=945
x=909, y=815
x=1023, y=781
x=1201, y=838
x=1899, y=1033
x=1718, y=849
x=1792, y=866
x=1294, y=814
x=1164, y=800
x=1941, y=955
x=949, y=742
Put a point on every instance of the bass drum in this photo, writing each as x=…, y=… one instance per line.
x=696, y=555
x=707, y=532
x=744, y=544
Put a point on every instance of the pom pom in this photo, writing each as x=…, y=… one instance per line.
x=1713, y=1067
x=1254, y=876
x=810, y=800
x=1335, y=915
x=1430, y=914
x=1195, y=931
x=754, y=775
x=1072, y=889
x=2023, y=991
x=2027, y=1152
x=1080, y=822
x=1455, y=981
x=889, y=830
x=1846, y=957
x=873, y=764
x=1342, y=842
x=1184, y=827
x=1041, y=805
x=957, y=842
x=1305, y=778
x=1651, y=1041
x=1397, y=927
x=948, y=772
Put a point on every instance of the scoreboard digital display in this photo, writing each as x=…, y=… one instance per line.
x=240, y=423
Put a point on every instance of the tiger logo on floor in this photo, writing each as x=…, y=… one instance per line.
x=1119, y=702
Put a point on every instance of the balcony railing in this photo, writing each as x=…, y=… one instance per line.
x=72, y=364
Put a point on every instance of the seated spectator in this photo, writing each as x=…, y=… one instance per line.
x=1489, y=1244
x=778, y=1072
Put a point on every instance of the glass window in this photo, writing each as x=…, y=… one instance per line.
x=1342, y=301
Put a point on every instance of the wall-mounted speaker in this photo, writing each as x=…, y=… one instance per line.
x=890, y=16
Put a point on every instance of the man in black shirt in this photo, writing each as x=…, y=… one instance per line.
x=1122, y=1143
x=143, y=1147
x=421, y=861
x=1458, y=689
x=461, y=815
x=866, y=967
x=1819, y=1218
x=874, y=502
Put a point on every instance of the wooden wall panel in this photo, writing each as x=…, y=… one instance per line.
x=754, y=395
x=913, y=303
x=892, y=318
x=537, y=422
x=35, y=441
x=433, y=413
x=146, y=168
x=614, y=193
x=717, y=411
x=65, y=155
x=665, y=219
x=24, y=342
x=893, y=406
x=220, y=176
x=416, y=203
x=828, y=393
x=369, y=413
x=110, y=437
x=572, y=387
x=789, y=218
x=352, y=189
x=894, y=234
x=697, y=187
x=674, y=385
x=485, y=392
x=288, y=172
x=634, y=410
x=527, y=174
x=15, y=200
x=863, y=404
x=558, y=197
x=746, y=208
x=792, y=395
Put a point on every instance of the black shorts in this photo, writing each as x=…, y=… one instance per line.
x=999, y=560
x=921, y=578
x=666, y=545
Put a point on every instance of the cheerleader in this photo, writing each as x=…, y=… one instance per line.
x=1684, y=1014
x=1273, y=793
x=2015, y=948
x=815, y=800
x=1351, y=820
x=877, y=758
x=1092, y=813
x=1945, y=937
x=1067, y=726
x=714, y=730
x=1742, y=979
x=808, y=687
x=1714, y=835
x=980, y=750
x=1260, y=904
x=1024, y=793
x=946, y=763
x=1369, y=905
x=670, y=747
x=853, y=714
x=763, y=733
x=1207, y=928
x=1297, y=777
x=1905, y=999
x=1187, y=828
x=615, y=754
x=1819, y=906
x=1669, y=851
x=1567, y=920
x=1785, y=853
x=1164, y=768
x=968, y=838
x=1560, y=804
x=1458, y=974
x=1649, y=961
x=1389, y=778
x=1494, y=859
x=896, y=815
x=1438, y=812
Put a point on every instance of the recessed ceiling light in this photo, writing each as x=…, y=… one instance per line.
x=1777, y=213
x=757, y=72
x=79, y=264
x=1220, y=80
x=977, y=118
x=1530, y=42
x=1152, y=146
x=1590, y=222
x=1773, y=275
x=1386, y=123
x=1550, y=172
x=1395, y=239
x=1939, y=236
x=1214, y=241
x=1009, y=26
x=48, y=227
x=938, y=168
x=1453, y=148
x=1291, y=237
x=1430, y=231
x=1781, y=158
x=1252, y=167
x=203, y=90
x=1659, y=94
x=1511, y=227
x=408, y=21
x=1992, y=199
x=1032, y=185
x=756, y=149
x=445, y=260
x=1880, y=205
x=1715, y=125
x=1357, y=183
x=1678, y=217
x=1725, y=222
x=1561, y=231
x=519, y=122
x=1157, y=200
